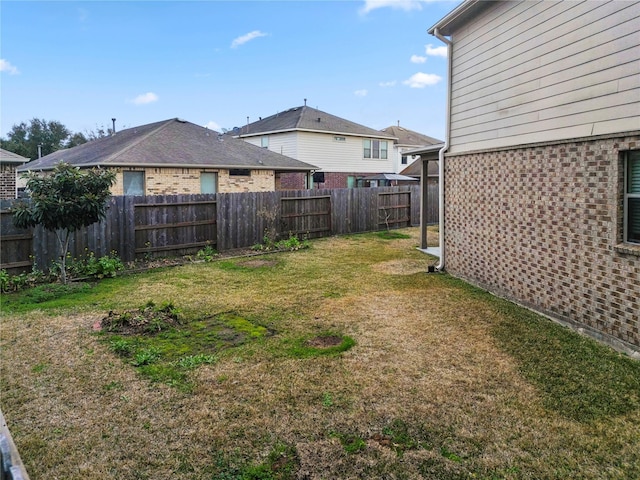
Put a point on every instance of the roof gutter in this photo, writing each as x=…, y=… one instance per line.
x=447, y=135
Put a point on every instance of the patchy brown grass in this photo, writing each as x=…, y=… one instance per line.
x=430, y=390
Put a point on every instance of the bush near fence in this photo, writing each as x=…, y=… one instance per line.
x=174, y=225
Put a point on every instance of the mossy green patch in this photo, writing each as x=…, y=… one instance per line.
x=169, y=353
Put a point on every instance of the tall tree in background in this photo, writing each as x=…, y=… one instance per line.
x=25, y=137
x=64, y=201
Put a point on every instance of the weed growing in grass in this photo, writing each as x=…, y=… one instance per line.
x=207, y=254
x=327, y=400
x=122, y=347
x=350, y=443
x=281, y=464
x=192, y=361
x=146, y=357
x=399, y=437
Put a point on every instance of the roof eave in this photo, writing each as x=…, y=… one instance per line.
x=301, y=168
x=457, y=15
x=309, y=130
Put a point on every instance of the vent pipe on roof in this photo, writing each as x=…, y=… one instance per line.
x=305, y=102
x=39, y=150
x=113, y=130
x=398, y=122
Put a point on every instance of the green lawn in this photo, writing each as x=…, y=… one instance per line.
x=341, y=361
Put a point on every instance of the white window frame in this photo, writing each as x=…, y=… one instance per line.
x=264, y=142
x=375, y=149
x=632, y=156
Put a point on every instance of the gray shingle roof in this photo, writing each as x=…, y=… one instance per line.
x=170, y=143
x=307, y=119
x=9, y=157
x=409, y=137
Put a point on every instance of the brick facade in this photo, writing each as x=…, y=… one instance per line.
x=296, y=181
x=176, y=181
x=542, y=225
x=7, y=180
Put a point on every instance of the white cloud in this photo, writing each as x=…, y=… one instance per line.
x=211, y=125
x=145, y=98
x=421, y=80
x=392, y=83
x=360, y=93
x=435, y=51
x=247, y=38
x=5, y=66
x=418, y=59
x=406, y=5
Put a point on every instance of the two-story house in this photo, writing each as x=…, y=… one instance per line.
x=541, y=163
x=345, y=152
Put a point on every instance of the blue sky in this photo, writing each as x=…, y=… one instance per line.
x=215, y=63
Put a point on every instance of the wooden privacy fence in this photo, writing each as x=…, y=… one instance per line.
x=145, y=227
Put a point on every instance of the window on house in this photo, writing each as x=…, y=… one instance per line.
x=351, y=181
x=208, y=182
x=403, y=160
x=133, y=183
x=264, y=142
x=375, y=149
x=632, y=198
x=340, y=139
x=240, y=172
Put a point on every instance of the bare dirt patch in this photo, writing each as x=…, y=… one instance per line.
x=139, y=321
x=325, y=341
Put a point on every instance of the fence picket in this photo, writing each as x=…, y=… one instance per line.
x=182, y=224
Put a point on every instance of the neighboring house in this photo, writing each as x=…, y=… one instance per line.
x=542, y=165
x=344, y=151
x=9, y=162
x=177, y=157
x=406, y=141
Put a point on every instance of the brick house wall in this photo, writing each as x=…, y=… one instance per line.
x=7, y=181
x=542, y=225
x=296, y=181
x=175, y=181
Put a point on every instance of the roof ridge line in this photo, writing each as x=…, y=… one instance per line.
x=137, y=142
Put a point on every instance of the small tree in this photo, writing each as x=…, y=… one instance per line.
x=64, y=201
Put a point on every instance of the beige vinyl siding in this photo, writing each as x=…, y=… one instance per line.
x=540, y=71
x=332, y=156
x=282, y=143
x=329, y=155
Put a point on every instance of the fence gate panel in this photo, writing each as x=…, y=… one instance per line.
x=180, y=227
x=394, y=209
x=308, y=217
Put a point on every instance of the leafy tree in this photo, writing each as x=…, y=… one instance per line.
x=65, y=201
x=24, y=138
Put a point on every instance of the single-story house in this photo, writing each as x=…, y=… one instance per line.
x=178, y=157
x=344, y=151
x=9, y=162
x=541, y=164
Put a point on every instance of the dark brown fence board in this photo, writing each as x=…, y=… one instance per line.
x=180, y=224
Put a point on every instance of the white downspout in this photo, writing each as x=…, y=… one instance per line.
x=445, y=40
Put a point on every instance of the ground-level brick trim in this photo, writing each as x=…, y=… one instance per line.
x=542, y=225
